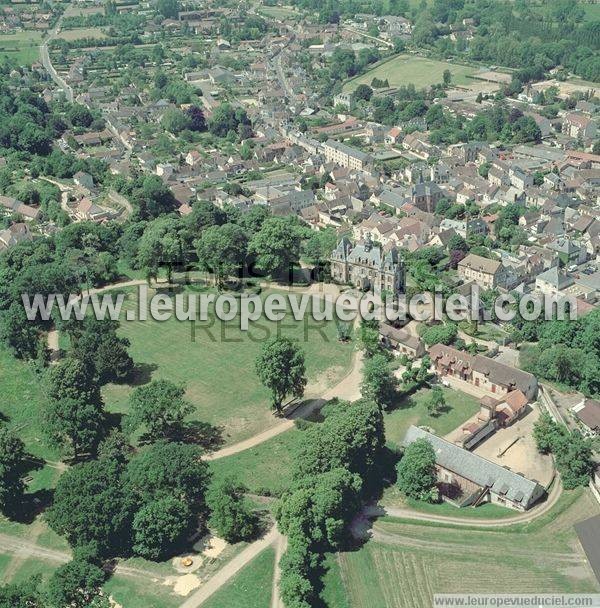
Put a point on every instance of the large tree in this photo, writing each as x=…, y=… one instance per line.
x=277, y=246
x=417, y=477
x=12, y=458
x=91, y=507
x=75, y=584
x=280, y=367
x=169, y=469
x=379, y=383
x=74, y=426
x=159, y=408
x=230, y=515
x=222, y=250
x=160, y=527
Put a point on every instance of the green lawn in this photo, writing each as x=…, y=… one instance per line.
x=23, y=47
x=265, y=469
x=215, y=361
x=279, y=12
x=410, y=562
x=250, y=588
x=139, y=593
x=21, y=403
x=412, y=69
x=413, y=410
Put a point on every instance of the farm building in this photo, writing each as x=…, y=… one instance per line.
x=466, y=479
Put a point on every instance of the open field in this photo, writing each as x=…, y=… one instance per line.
x=80, y=11
x=250, y=588
x=279, y=12
x=406, y=563
x=82, y=32
x=22, y=47
x=215, y=361
x=412, y=69
x=412, y=409
x=22, y=401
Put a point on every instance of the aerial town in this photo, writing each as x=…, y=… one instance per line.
x=268, y=158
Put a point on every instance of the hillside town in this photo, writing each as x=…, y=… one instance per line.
x=253, y=148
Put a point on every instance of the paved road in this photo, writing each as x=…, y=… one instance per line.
x=230, y=569
x=45, y=57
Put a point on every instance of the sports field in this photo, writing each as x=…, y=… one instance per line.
x=406, y=563
x=412, y=69
x=215, y=361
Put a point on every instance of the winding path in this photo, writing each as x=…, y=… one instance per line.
x=231, y=568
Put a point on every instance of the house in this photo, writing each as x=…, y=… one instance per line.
x=89, y=211
x=345, y=156
x=493, y=377
x=193, y=157
x=588, y=414
x=578, y=125
x=368, y=266
x=343, y=99
x=505, y=410
x=552, y=281
x=393, y=136
x=15, y=206
x=466, y=479
x=483, y=271
x=426, y=195
x=15, y=234
x=401, y=340
x=85, y=180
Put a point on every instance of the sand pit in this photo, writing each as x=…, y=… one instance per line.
x=183, y=585
x=210, y=546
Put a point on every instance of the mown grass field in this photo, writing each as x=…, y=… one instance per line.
x=22, y=47
x=82, y=32
x=216, y=363
x=412, y=409
x=250, y=588
x=407, y=563
x=412, y=69
x=279, y=12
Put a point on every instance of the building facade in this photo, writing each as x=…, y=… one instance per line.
x=368, y=267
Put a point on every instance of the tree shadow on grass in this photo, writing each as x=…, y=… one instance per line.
x=204, y=434
x=141, y=374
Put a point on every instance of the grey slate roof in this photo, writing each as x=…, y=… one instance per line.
x=477, y=469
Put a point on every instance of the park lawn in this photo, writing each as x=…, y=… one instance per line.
x=22, y=47
x=140, y=593
x=265, y=469
x=412, y=410
x=21, y=404
x=412, y=69
x=415, y=561
x=215, y=361
x=591, y=11
x=82, y=32
x=250, y=588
